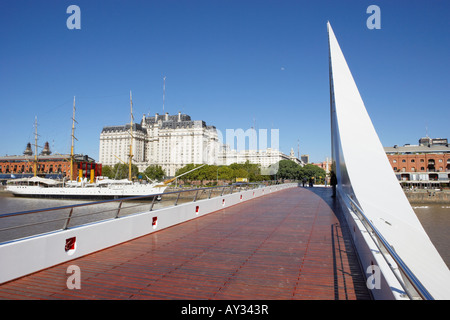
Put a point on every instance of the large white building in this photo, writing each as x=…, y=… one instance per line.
x=173, y=141
x=265, y=158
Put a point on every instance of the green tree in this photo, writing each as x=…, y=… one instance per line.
x=225, y=173
x=240, y=173
x=154, y=172
x=120, y=171
x=107, y=171
x=190, y=176
x=212, y=172
x=247, y=170
x=311, y=170
x=288, y=169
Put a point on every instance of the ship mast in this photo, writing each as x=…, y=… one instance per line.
x=73, y=137
x=131, y=138
x=35, y=147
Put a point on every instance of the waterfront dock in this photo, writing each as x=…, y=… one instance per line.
x=291, y=244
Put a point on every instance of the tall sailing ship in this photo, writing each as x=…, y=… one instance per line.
x=83, y=189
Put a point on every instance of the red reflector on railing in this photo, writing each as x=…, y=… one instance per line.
x=154, y=220
x=70, y=244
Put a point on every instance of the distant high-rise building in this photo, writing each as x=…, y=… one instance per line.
x=305, y=158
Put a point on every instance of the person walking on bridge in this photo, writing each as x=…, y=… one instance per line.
x=333, y=182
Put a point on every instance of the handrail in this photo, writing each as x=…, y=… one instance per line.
x=120, y=201
x=403, y=268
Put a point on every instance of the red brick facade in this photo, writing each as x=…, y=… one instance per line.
x=18, y=165
x=431, y=162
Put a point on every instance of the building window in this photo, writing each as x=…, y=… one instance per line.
x=412, y=160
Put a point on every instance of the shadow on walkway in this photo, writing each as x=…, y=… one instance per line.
x=343, y=242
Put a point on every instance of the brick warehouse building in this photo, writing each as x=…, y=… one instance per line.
x=428, y=161
x=48, y=165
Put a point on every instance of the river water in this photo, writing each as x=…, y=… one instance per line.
x=56, y=219
x=434, y=218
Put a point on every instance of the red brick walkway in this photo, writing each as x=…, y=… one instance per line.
x=286, y=245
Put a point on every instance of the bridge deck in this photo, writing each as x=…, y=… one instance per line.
x=291, y=244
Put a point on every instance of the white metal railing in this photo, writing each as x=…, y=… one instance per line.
x=409, y=282
x=107, y=209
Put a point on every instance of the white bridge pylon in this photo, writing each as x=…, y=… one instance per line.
x=364, y=173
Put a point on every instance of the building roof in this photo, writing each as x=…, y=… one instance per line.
x=53, y=157
x=124, y=128
x=172, y=118
x=410, y=149
x=426, y=145
x=172, y=122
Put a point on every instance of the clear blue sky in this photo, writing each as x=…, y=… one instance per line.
x=233, y=64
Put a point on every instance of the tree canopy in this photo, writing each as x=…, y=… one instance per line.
x=120, y=171
x=212, y=172
x=154, y=172
x=290, y=170
x=287, y=169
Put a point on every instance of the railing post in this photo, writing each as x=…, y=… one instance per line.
x=195, y=197
x=66, y=224
x=118, y=209
x=178, y=197
x=153, y=202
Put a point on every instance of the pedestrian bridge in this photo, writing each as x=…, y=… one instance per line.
x=288, y=244
x=270, y=242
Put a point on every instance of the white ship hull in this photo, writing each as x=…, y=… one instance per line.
x=90, y=192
